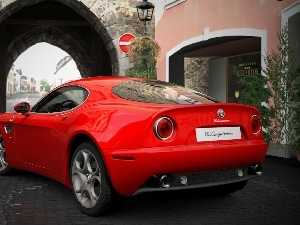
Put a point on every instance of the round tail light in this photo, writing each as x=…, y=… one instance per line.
x=164, y=128
x=256, y=124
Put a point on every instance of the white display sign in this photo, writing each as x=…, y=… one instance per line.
x=218, y=133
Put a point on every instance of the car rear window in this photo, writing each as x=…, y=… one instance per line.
x=159, y=92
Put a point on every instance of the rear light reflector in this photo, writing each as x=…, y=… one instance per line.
x=256, y=124
x=163, y=128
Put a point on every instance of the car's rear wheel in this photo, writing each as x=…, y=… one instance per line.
x=90, y=182
x=4, y=167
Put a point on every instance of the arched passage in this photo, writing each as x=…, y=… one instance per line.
x=87, y=30
x=60, y=21
x=215, y=45
x=51, y=35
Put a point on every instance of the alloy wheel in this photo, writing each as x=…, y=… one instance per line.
x=86, y=178
x=3, y=163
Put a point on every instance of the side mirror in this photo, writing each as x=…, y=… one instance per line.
x=22, y=107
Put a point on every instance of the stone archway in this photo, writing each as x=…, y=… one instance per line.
x=90, y=19
x=88, y=30
x=52, y=35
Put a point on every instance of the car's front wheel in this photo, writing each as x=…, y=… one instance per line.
x=4, y=167
x=90, y=182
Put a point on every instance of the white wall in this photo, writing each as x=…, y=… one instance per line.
x=67, y=72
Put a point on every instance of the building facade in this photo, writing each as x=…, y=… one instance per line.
x=66, y=70
x=17, y=82
x=207, y=45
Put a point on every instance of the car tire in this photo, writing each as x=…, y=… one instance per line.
x=4, y=167
x=91, y=185
x=227, y=189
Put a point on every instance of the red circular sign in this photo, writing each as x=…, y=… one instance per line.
x=124, y=41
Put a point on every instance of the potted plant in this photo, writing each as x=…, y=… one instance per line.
x=256, y=93
x=283, y=80
x=143, y=46
x=143, y=52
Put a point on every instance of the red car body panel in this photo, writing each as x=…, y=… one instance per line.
x=123, y=132
x=135, y=166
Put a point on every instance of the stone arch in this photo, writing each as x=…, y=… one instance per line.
x=105, y=21
x=52, y=35
x=83, y=8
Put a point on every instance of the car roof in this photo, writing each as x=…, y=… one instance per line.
x=94, y=82
x=106, y=87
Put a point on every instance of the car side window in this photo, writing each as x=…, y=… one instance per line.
x=62, y=99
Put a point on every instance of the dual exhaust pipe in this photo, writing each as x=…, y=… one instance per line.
x=165, y=180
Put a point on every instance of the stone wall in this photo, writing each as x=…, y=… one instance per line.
x=196, y=74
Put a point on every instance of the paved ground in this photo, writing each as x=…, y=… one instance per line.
x=273, y=198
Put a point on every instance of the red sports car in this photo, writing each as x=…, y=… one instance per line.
x=110, y=137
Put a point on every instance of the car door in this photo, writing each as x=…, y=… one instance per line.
x=38, y=139
x=40, y=136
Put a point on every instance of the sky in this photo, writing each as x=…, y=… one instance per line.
x=40, y=61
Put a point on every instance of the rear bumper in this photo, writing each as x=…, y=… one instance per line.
x=130, y=169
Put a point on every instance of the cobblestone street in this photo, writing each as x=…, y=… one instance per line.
x=273, y=198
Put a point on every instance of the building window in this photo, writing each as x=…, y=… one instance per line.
x=172, y=3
